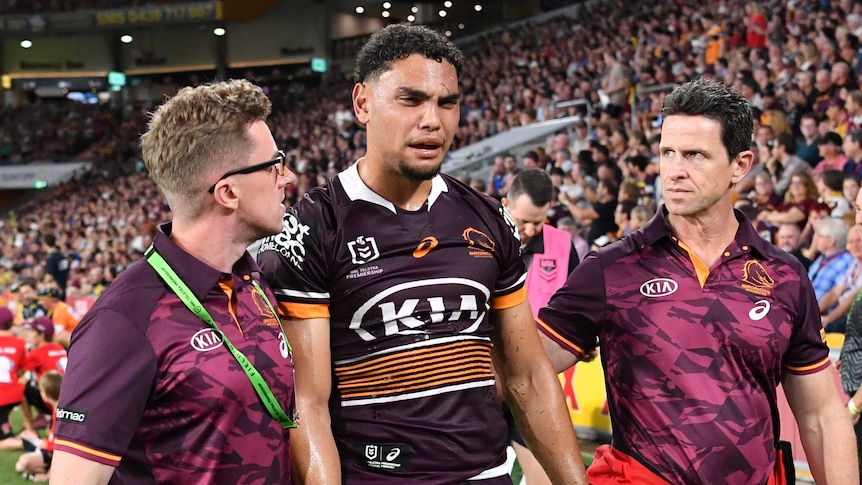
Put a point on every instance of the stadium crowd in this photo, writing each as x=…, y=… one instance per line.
x=797, y=62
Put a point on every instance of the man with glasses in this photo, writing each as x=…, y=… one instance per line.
x=181, y=373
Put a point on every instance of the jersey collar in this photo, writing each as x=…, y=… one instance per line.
x=658, y=228
x=357, y=190
x=199, y=276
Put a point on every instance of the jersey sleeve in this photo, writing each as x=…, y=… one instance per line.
x=294, y=263
x=107, y=385
x=807, y=352
x=509, y=290
x=574, y=315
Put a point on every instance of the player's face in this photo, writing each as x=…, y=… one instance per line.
x=696, y=173
x=262, y=191
x=411, y=114
x=529, y=217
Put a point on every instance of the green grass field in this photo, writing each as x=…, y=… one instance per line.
x=8, y=475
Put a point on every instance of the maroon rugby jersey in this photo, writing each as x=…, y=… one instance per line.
x=692, y=371
x=152, y=390
x=408, y=295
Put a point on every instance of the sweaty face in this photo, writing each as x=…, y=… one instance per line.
x=528, y=217
x=695, y=170
x=411, y=114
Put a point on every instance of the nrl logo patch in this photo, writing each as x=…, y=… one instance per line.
x=363, y=250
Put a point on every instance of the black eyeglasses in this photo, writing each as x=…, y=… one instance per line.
x=279, y=162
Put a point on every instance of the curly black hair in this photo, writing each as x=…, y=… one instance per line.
x=398, y=41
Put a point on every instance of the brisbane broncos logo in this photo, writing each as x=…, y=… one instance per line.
x=755, y=279
x=481, y=246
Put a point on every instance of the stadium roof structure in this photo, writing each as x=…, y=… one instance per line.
x=473, y=157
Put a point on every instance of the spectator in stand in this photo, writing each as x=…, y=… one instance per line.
x=782, y=163
x=599, y=217
x=36, y=464
x=764, y=197
x=581, y=246
x=789, y=239
x=12, y=352
x=799, y=200
x=622, y=218
x=852, y=147
x=830, y=185
x=28, y=307
x=853, y=103
x=836, y=116
x=836, y=302
x=830, y=152
x=56, y=264
x=60, y=313
x=830, y=239
x=807, y=147
x=639, y=217
x=44, y=355
x=850, y=187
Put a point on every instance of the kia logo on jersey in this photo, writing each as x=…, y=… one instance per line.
x=659, y=287
x=206, y=340
x=459, y=304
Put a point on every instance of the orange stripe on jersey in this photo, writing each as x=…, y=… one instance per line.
x=416, y=355
x=699, y=266
x=560, y=337
x=302, y=311
x=87, y=450
x=510, y=300
x=416, y=369
x=801, y=370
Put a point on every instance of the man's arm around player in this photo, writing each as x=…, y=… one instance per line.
x=533, y=392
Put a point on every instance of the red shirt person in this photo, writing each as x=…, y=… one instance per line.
x=12, y=351
x=44, y=356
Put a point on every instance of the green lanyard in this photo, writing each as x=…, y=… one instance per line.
x=192, y=303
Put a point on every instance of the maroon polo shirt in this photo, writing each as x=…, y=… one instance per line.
x=152, y=390
x=692, y=370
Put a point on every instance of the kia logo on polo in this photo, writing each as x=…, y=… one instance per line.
x=659, y=287
x=206, y=340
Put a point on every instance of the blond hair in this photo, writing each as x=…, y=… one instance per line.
x=50, y=383
x=198, y=133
